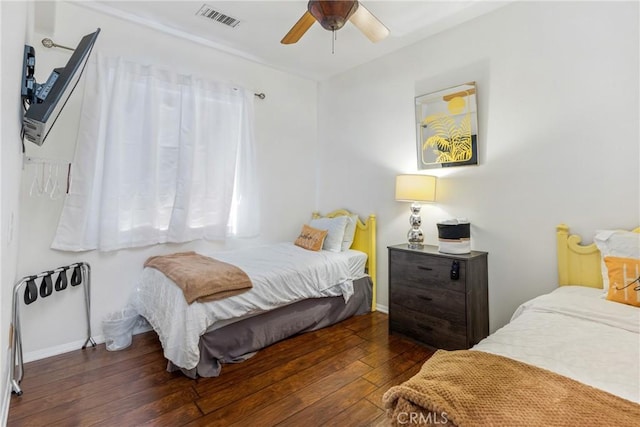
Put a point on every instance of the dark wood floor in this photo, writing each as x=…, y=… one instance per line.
x=334, y=376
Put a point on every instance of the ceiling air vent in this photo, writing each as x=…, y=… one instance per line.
x=210, y=13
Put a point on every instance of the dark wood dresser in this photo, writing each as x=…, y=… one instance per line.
x=440, y=300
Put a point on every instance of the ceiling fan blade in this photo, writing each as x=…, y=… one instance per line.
x=369, y=24
x=298, y=30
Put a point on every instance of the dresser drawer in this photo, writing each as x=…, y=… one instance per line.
x=425, y=304
x=434, y=331
x=442, y=303
x=425, y=271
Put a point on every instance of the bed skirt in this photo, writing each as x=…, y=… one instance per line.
x=240, y=340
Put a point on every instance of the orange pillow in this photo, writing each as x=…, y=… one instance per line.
x=311, y=238
x=624, y=280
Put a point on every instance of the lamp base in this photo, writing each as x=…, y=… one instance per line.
x=415, y=236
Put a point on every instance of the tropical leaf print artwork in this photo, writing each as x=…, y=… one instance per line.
x=447, y=127
x=452, y=141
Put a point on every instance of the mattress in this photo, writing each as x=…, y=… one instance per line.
x=575, y=332
x=281, y=274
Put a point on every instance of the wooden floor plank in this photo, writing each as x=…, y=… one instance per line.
x=104, y=366
x=392, y=369
x=272, y=357
x=323, y=411
x=377, y=331
x=282, y=409
x=216, y=398
x=375, y=397
x=360, y=323
x=361, y=414
x=136, y=378
x=177, y=417
x=98, y=406
x=151, y=410
x=333, y=376
x=381, y=353
x=37, y=387
x=245, y=407
x=141, y=344
x=381, y=421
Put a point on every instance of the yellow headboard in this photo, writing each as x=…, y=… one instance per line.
x=577, y=264
x=364, y=241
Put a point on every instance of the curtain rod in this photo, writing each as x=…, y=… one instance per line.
x=48, y=43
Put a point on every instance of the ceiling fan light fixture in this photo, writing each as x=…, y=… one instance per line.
x=332, y=14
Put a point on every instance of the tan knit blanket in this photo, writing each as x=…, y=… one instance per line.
x=201, y=278
x=473, y=388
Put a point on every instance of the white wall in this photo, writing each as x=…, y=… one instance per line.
x=286, y=129
x=558, y=136
x=13, y=16
x=558, y=118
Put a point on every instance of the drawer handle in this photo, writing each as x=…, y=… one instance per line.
x=455, y=270
x=425, y=268
x=425, y=298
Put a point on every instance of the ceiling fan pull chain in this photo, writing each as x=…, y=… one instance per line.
x=333, y=42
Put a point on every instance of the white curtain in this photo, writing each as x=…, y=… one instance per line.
x=160, y=157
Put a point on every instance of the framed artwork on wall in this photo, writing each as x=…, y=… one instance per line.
x=447, y=127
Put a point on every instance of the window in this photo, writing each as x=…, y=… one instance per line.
x=160, y=157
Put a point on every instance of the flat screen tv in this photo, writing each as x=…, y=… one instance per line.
x=44, y=102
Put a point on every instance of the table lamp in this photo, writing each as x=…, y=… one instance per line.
x=415, y=189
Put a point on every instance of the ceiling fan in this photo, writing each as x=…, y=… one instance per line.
x=332, y=15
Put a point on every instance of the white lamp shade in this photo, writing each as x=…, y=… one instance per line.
x=416, y=188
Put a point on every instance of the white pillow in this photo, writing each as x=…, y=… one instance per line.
x=349, y=232
x=617, y=243
x=335, y=228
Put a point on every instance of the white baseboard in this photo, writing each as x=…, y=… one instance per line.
x=6, y=401
x=382, y=308
x=32, y=356
x=72, y=346
x=6, y=390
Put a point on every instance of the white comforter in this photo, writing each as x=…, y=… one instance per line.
x=575, y=332
x=281, y=274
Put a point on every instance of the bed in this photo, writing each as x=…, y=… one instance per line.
x=570, y=357
x=295, y=290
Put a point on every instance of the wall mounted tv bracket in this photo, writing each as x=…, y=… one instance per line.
x=33, y=92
